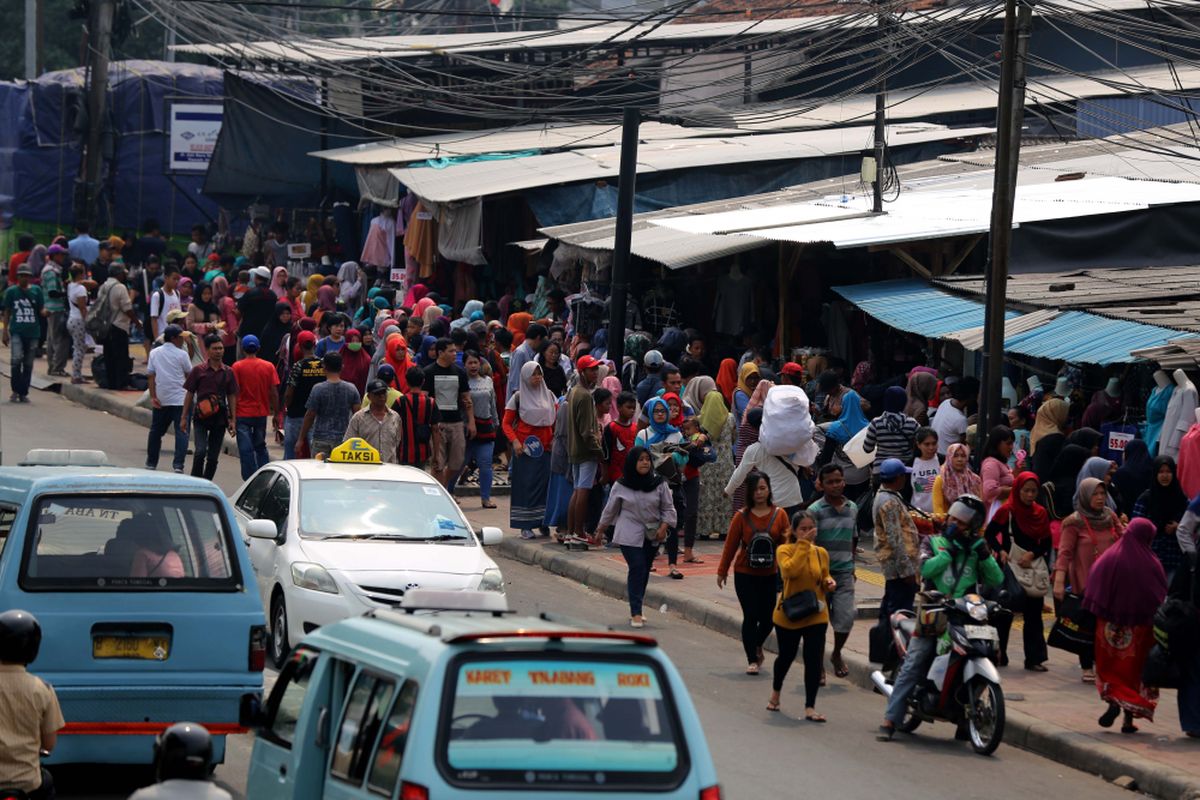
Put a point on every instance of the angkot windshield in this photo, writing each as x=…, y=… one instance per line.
x=551, y=721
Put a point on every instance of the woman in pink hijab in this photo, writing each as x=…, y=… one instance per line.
x=420, y=306
x=279, y=282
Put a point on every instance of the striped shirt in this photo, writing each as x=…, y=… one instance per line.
x=418, y=415
x=891, y=435
x=836, y=532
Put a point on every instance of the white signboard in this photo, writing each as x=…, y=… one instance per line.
x=192, y=130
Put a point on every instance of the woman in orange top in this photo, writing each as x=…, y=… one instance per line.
x=529, y=417
x=755, y=586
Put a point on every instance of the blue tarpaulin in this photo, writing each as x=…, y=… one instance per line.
x=40, y=146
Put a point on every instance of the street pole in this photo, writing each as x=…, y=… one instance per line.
x=100, y=40
x=33, y=39
x=623, y=238
x=1010, y=114
x=880, y=115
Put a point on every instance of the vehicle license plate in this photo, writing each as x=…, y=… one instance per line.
x=981, y=632
x=148, y=648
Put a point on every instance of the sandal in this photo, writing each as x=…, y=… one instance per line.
x=839, y=666
x=1037, y=668
x=693, y=560
x=489, y=504
x=772, y=705
x=815, y=717
x=676, y=574
x=752, y=669
x=1089, y=676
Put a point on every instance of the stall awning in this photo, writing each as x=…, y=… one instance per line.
x=1075, y=336
x=916, y=307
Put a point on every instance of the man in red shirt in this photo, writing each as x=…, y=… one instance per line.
x=257, y=398
x=25, y=243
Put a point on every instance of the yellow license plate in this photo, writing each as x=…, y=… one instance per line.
x=149, y=648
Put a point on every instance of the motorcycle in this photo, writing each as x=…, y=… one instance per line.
x=962, y=684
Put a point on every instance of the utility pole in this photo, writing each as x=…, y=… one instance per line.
x=33, y=39
x=880, y=111
x=623, y=238
x=100, y=41
x=1009, y=116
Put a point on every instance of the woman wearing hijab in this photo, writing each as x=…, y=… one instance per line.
x=664, y=439
x=1163, y=503
x=350, y=284
x=309, y=298
x=395, y=355
x=1101, y=409
x=227, y=307
x=850, y=418
x=955, y=479
x=893, y=433
x=747, y=434
x=529, y=418
x=1020, y=531
x=1048, y=436
x=1124, y=589
x=279, y=282
x=1090, y=530
x=203, y=314
x=425, y=355
x=415, y=293
x=920, y=391
x=1087, y=438
x=518, y=323
x=279, y=326
x=356, y=362
x=640, y=510
x=1133, y=476
x=716, y=421
x=1102, y=470
x=727, y=379
x=748, y=379
x=431, y=315
x=326, y=303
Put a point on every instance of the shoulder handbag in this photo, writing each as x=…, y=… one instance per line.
x=803, y=604
x=1034, y=579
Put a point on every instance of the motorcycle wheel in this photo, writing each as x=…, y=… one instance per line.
x=985, y=716
x=911, y=721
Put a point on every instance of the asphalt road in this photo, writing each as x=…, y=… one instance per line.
x=758, y=754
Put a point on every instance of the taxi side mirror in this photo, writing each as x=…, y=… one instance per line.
x=492, y=535
x=262, y=529
x=251, y=714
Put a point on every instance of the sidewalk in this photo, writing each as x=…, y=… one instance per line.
x=1053, y=713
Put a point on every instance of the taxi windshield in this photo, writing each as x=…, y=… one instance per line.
x=559, y=720
x=367, y=509
x=120, y=542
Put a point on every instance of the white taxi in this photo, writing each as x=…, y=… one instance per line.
x=336, y=538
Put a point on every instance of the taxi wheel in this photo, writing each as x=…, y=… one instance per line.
x=280, y=647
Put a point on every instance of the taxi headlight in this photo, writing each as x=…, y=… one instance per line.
x=314, y=577
x=492, y=581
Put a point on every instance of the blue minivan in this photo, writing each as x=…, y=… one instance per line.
x=453, y=698
x=146, y=598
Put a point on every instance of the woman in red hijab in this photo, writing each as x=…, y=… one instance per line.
x=1019, y=535
x=1125, y=587
x=727, y=380
x=676, y=405
x=396, y=354
x=518, y=323
x=356, y=361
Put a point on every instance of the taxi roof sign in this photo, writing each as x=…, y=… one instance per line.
x=354, y=451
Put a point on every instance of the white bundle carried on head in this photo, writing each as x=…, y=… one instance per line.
x=787, y=425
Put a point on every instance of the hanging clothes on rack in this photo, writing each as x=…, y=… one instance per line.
x=379, y=248
x=420, y=240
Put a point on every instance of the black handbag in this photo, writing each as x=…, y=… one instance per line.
x=1075, y=628
x=801, y=605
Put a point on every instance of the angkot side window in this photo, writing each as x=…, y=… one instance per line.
x=151, y=542
x=389, y=754
x=369, y=700
x=560, y=720
x=287, y=698
x=7, y=515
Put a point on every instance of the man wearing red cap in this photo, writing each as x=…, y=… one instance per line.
x=583, y=443
x=307, y=372
x=792, y=374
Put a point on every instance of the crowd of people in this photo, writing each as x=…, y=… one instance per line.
x=654, y=453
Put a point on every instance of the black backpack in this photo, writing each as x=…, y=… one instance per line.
x=760, y=552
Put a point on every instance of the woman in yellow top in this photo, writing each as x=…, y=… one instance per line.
x=955, y=479
x=804, y=567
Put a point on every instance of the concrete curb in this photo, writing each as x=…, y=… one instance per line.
x=1051, y=741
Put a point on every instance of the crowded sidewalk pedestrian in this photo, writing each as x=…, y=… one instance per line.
x=23, y=306
x=211, y=405
x=329, y=408
x=258, y=398
x=168, y=369
x=306, y=372
x=451, y=393
x=529, y=417
x=377, y=425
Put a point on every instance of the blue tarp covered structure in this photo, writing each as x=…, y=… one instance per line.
x=40, y=146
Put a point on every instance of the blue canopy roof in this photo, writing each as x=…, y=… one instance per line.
x=916, y=307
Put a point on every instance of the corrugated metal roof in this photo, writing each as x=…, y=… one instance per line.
x=1084, y=338
x=972, y=338
x=491, y=177
x=923, y=213
x=661, y=245
x=916, y=307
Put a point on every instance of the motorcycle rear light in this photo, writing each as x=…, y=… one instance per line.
x=711, y=793
x=258, y=648
x=413, y=791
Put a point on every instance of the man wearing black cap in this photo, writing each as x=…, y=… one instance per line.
x=377, y=424
x=23, y=305
x=167, y=368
